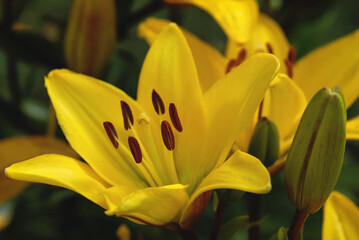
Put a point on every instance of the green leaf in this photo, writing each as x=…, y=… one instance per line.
x=280, y=235
x=215, y=200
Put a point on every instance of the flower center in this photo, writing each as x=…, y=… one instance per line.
x=156, y=163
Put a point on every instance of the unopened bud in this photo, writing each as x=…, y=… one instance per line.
x=90, y=36
x=316, y=155
x=265, y=142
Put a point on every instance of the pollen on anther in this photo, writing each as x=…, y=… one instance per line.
x=167, y=135
x=157, y=102
x=135, y=149
x=127, y=115
x=111, y=133
x=174, y=117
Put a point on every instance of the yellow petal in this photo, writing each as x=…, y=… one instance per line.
x=240, y=172
x=341, y=218
x=155, y=206
x=353, y=129
x=17, y=149
x=60, y=171
x=169, y=69
x=284, y=104
x=209, y=62
x=335, y=64
x=82, y=104
x=231, y=103
x=266, y=31
x=237, y=18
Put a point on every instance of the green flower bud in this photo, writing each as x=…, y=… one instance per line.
x=90, y=36
x=316, y=155
x=265, y=142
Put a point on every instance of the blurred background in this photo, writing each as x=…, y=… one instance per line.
x=32, y=34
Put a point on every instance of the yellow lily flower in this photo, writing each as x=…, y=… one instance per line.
x=155, y=160
x=341, y=217
x=335, y=64
x=17, y=149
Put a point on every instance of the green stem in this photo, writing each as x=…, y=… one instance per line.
x=145, y=11
x=254, y=202
x=297, y=224
x=188, y=235
x=218, y=219
x=13, y=80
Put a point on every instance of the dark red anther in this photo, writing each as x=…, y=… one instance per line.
x=231, y=64
x=111, y=133
x=157, y=103
x=167, y=135
x=241, y=56
x=127, y=115
x=269, y=48
x=292, y=54
x=174, y=117
x=135, y=149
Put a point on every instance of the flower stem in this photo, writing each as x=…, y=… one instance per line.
x=297, y=224
x=137, y=16
x=254, y=202
x=188, y=235
x=218, y=219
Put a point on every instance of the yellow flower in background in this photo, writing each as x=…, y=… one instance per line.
x=151, y=160
x=335, y=64
x=123, y=232
x=17, y=149
x=236, y=17
x=90, y=36
x=341, y=218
